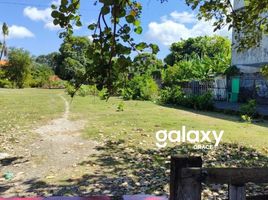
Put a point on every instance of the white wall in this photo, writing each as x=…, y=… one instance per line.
x=245, y=59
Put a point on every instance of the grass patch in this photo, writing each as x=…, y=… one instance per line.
x=140, y=120
x=21, y=110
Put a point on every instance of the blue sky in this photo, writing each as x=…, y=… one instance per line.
x=31, y=25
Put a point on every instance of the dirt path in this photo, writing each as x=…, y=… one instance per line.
x=54, y=155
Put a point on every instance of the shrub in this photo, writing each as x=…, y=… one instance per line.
x=103, y=94
x=176, y=96
x=120, y=107
x=203, y=102
x=127, y=93
x=59, y=84
x=249, y=109
x=172, y=95
x=70, y=89
x=140, y=88
x=5, y=83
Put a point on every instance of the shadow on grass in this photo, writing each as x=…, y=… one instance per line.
x=224, y=115
x=121, y=169
x=11, y=161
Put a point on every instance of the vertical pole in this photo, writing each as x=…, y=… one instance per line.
x=184, y=188
x=237, y=192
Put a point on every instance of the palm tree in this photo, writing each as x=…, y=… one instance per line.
x=5, y=34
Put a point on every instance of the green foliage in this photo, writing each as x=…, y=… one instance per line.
x=86, y=90
x=70, y=89
x=246, y=118
x=127, y=93
x=5, y=83
x=51, y=60
x=198, y=58
x=171, y=95
x=140, y=88
x=249, y=22
x=197, y=48
x=73, y=59
x=111, y=37
x=195, y=69
x=176, y=96
x=146, y=63
x=41, y=75
x=120, y=107
x=249, y=109
x=19, y=69
x=103, y=94
x=232, y=71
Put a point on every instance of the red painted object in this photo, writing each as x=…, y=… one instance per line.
x=61, y=198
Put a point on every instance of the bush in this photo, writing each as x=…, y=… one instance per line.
x=127, y=93
x=103, y=94
x=120, y=107
x=203, y=102
x=172, y=95
x=176, y=96
x=5, y=83
x=70, y=89
x=140, y=88
x=249, y=109
x=59, y=84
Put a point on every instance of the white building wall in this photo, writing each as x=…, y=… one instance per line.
x=249, y=61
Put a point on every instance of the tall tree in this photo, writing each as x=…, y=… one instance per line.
x=19, y=69
x=198, y=47
x=51, y=60
x=74, y=60
x=5, y=33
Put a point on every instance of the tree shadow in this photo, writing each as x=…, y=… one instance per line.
x=11, y=161
x=227, y=115
x=121, y=169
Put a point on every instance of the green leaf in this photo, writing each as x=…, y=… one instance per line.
x=78, y=23
x=141, y=46
x=138, y=30
x=54, y=7
x=92, y=27
x=155, y=48
x=137, y=23
x=130, y=19
x=105, y=10
x=55, y=14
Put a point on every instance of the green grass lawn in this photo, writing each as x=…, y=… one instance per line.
x=22, y=110
x=137, y=124
x=139, y=121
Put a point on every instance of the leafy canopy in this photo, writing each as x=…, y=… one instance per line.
x=112, y=41
x=249, y=22
x=198, y=47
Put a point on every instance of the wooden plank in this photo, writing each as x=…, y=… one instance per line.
x=227, y=175
x=237, y=192
x=184, y=188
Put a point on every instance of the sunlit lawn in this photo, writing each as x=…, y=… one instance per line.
x=137, y=124
x=22, y=110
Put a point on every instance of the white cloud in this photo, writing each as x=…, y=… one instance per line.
x=179, y=26
x=183, y=17
x=43, y=15
x=18, y=32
